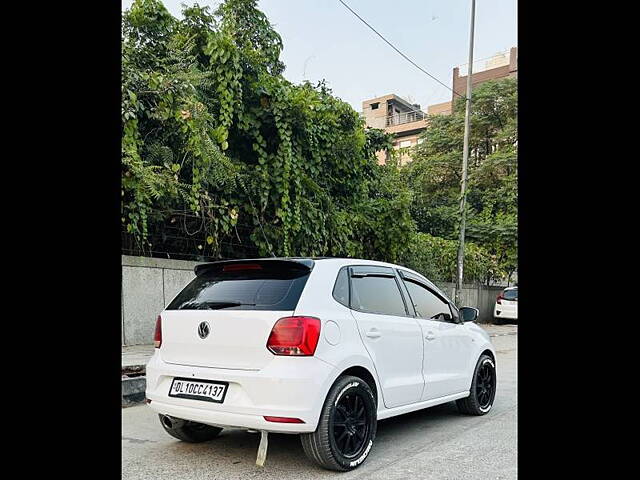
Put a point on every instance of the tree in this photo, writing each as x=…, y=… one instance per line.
x=223, y=157
x=435, y=175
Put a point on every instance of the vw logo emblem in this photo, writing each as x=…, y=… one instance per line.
x=203, y=330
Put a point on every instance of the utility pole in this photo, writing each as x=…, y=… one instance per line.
x=465, y=160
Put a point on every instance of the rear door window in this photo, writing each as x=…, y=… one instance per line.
x=511, y=295
x=244, y=287
x=374, y=290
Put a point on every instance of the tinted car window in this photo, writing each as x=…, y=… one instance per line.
x=377, y=295
x=510, y=295
x=427, y=304
x=263, y=288
x=341, y=288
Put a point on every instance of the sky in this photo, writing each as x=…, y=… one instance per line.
x=323, y=40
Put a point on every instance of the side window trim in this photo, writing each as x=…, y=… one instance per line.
x=333, y=292
x=455, y=313
x=406, y=276
x=454, y=318
x=404, y=299
x=406, y=296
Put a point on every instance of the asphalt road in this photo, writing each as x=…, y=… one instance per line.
x=435, y=443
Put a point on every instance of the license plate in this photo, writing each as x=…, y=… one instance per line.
x=198, y=389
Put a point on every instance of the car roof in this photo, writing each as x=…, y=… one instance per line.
x=308, y=261
x=338, y=261
x=360, y=261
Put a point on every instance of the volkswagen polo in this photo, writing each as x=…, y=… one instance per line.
x=320, y=347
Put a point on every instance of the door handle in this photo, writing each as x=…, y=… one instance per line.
x=430, y=336
x=373, y=333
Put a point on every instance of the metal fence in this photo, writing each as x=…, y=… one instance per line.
x=405, y=117
x=184, y=237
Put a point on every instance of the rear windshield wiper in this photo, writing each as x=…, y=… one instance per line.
x=211, y=305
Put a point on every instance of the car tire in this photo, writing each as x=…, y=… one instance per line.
x=498, y=321
x=347, y=426
x=483, y=388
x=188, y=431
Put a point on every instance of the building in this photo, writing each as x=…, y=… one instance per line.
x=395, y=115
x=407, y=121
x=443, y=108
x=501, y=65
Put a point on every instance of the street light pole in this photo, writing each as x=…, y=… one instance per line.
x=465, y=161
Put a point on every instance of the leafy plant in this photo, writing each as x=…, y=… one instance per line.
x=435, y=174
x=231, y=154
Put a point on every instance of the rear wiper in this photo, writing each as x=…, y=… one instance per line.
x=211, y=305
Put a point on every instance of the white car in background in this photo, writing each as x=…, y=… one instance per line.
x=320, y=347
x=506, y=306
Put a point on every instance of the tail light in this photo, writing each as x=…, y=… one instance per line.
x=296, y=336
x=157, y=337
x=499, y=298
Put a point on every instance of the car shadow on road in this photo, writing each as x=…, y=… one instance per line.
x=389, y=427
x=237, y=448
x=392, y=426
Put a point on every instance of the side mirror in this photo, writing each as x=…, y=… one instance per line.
x=469, y=314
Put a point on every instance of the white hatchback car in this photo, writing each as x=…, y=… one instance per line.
x=321, y=347
x=506, y=307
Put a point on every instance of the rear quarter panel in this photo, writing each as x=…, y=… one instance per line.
x=340, y=344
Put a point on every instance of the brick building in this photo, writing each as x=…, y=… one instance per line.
x=407, y=121
x=501, y=65
x=395, y=115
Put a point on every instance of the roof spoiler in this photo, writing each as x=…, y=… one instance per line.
x=303, y=264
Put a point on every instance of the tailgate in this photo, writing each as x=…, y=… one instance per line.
x=223, y=318
x=236, y=339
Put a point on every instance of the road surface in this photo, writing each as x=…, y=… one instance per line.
x=436, y=443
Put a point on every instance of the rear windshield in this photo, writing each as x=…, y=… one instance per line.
x=510, y=294
x=257, y=287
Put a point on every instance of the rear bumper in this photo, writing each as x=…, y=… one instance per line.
x=510, y=313
x=286, y=387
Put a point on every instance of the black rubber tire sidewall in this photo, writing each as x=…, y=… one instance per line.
x=320, y=445
x=470, y=405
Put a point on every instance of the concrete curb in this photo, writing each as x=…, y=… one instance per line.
x=133, y=389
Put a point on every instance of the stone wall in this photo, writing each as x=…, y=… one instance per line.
x=148, y=285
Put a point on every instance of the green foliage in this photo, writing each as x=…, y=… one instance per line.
x=435, y=175
x=436, y=258
x=216, y=139
x=223, y=157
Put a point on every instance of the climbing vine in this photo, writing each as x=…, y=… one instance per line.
x=223, y=157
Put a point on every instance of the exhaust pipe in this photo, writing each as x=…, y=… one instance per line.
x=171, y=422
x=166, y=421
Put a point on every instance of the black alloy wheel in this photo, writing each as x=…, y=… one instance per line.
x=350, y=425
x=485, y=385
x=346, y=427
x=483, y=388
